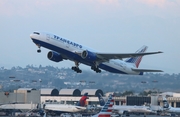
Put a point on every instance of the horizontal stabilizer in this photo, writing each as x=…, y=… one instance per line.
x=146, y=70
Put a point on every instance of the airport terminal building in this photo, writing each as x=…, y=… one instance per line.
x=35, y=97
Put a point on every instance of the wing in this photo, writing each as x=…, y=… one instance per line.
x=107, y=56
x=146, y=70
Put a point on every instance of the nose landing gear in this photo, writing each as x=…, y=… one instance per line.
x=39, y=50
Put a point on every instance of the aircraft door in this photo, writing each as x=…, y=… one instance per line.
x=48, y=37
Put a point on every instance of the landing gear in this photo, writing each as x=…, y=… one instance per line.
x=76, y=68
x=39, y=50
x=96, y=69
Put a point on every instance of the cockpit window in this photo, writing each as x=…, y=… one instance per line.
x=37, y=33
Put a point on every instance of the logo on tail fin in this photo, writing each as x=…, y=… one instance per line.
x=101, y=100
x=165, y=103
x=137, y=60
x=82, y=101
x=107, y=109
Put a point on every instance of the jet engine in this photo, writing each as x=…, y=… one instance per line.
x=90, y=56
x=121, y=112
x=54, y=56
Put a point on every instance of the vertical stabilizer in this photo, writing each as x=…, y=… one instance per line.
x=137, y=60
x=101, y=100
x=82, y=101
x=165, y=103
x=106, y=111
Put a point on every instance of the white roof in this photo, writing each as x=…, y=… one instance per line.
x=89, y=91
x=66, y=91
x=47, y=91
x=73, y=92
x=24, y=89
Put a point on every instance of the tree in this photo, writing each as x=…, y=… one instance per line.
x=127, y=93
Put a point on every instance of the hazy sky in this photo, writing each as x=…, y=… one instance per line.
x=117, y=26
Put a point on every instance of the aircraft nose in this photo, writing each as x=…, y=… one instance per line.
x=35, y=35
x=31, y=36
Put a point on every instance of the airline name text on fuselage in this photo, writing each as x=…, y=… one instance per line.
x=67, y=41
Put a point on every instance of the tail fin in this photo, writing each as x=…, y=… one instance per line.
x=165, y=103
x=137, y=60
x=101, y=100
x=106, y=111
x=82, y=101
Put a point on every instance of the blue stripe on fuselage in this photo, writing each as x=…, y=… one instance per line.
x=75, y=57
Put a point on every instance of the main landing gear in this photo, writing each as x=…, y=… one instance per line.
x=96, y=69
x=76, y=68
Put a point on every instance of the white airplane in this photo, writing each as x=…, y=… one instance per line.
x=125, y=110
x=168, y=108
x=132, y=109
x=63, y=49
x=106, y=110
x=57, y=109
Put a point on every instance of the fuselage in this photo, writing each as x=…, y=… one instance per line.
x=70, y=51
x=64, y=108
x=138, y=109
x=173, y=110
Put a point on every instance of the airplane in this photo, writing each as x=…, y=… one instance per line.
x=57, y=109
x=64, y=49
x=168, y=108
x=106, y=110
x=125, y=109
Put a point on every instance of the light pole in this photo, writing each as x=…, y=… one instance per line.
x=34, y=82
x=155, y=81
x=12, y=77
x=143, y=82
x=16, y=87
x=82, y=83
x=40, y=83
x=15, y=80
x=91, y=83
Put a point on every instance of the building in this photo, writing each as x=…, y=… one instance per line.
x=72, y=96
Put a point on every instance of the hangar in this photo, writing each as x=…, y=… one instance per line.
x=92, y=92
x=72, y=96
x=69, y=92
x=49, y=92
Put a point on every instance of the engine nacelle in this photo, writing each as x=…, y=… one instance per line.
x=121, y=112
x=54, y=56
x=90, y=56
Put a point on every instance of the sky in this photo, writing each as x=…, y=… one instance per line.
x=117, y=26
